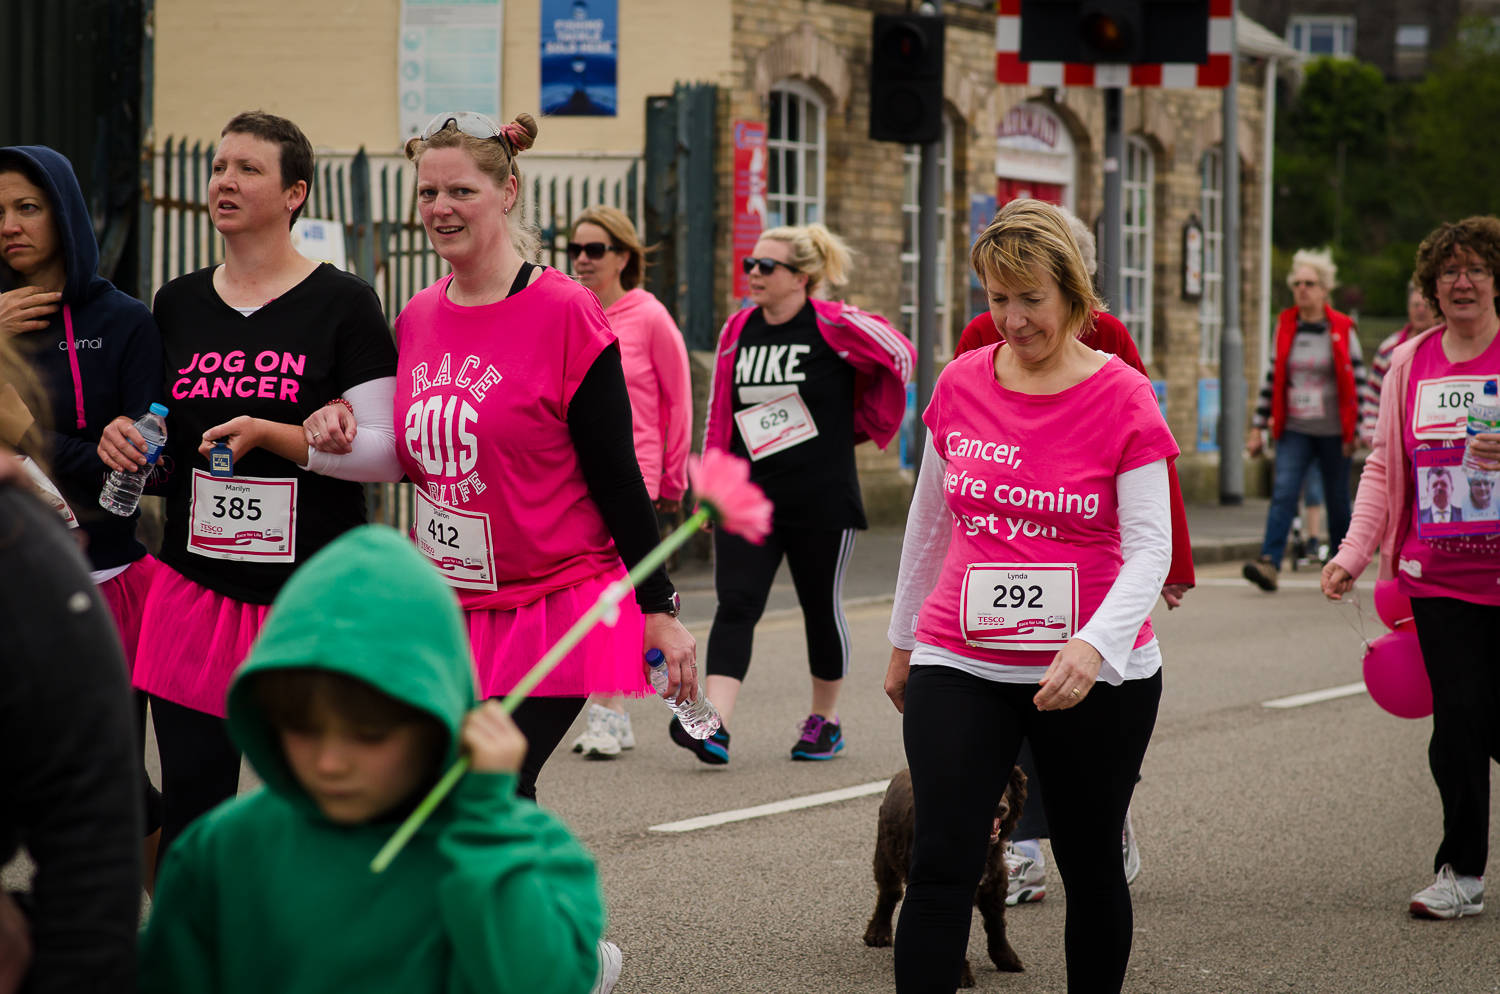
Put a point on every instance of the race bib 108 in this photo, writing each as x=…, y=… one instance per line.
x=1019, y=605
x=1442, y=410
x=457, y=542
x=243, y=518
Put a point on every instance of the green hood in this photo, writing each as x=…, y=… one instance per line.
x=369, y=607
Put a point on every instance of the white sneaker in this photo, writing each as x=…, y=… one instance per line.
x=606, y=734
x=1131, y=850
x=1451, y=896
x=611, y=961
x=1028, y=877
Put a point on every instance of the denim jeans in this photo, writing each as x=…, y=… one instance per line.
x=1294, y=452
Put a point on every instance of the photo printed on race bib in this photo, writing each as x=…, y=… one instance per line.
x=1442, y=409
x=1453, y=500
x=243, y=518
x=1019, y=605
x=457, y=542
x=776, y=425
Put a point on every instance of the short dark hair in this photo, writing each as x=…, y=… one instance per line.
x=296, y=151
x=300, y=698
x=1478, y=235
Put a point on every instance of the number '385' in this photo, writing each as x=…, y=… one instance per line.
x=237, y=508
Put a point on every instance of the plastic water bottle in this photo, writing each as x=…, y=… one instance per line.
x=122, y=491
x=1484, y=417
x=699, y=716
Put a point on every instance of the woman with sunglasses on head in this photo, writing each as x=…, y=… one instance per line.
x=798, y=382
x=1445, y=559
x=514, y=422
x=253, y=347
x=609, y=259
x=1310, y=402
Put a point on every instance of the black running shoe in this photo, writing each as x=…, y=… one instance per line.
x=713, y=750
x=821, y=739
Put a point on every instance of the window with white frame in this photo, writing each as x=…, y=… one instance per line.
x=1137, y=265
x=794, y=145
x=1211, y=211
x=911, y=218
x=1317, y=35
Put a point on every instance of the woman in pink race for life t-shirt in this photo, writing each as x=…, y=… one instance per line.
x=513, y=421
x=1435, y=523
x=1036, y=545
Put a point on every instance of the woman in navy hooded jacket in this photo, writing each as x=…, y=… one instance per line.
x=98, y=355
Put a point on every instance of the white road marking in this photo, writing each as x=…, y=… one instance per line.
x=774, y=808
x=1314, y=697
x=1224, y=581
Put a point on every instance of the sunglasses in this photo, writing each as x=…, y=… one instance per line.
x=594, y=250
x=470, y=123
x=767, y=266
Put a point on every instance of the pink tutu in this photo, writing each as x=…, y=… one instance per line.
x=192, y=640
x=608, y=661
x=125, y=593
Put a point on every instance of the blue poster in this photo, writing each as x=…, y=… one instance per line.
x=579, y=41
x=1208, y=415
x=981, y=213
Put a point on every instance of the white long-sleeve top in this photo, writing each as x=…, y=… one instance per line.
x=1145, y=545
x=374, y=457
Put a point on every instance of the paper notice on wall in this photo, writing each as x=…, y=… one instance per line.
x=749, y=197
x=448, y=59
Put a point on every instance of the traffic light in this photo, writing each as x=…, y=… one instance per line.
x=1119, y=31
x=906, y=79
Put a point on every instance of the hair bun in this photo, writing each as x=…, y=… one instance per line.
x=521, y=133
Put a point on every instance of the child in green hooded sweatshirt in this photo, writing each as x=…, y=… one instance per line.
x=356, y=698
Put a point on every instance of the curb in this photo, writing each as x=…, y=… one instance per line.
x=1230, y=550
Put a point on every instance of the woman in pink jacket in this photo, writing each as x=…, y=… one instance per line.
x=1445, y=555
x=798, y=383
x=608, y=258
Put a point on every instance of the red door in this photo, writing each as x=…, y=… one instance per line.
x=1021, y=189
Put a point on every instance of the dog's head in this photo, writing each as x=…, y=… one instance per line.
x=1012, y=805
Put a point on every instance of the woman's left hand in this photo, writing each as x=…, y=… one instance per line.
x=1070, y=677
x=1486, y=447
x=1172, y=593
x=242, y=434
x=666, y=633
x=331, y=429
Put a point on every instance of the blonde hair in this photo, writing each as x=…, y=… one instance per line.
x=622, y=232
x=496, y=160
x=816, y=251
x=1319, y=261
x=1032, y=234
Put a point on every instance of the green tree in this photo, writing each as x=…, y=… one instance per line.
x=1455, y=165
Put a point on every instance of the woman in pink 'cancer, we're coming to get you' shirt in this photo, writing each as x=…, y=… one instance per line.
x=609, y=259
x=1436, y=526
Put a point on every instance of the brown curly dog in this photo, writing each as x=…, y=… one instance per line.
x=893, y=844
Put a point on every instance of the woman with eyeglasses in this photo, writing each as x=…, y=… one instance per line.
x=253, y=347
x=609, y=259
x=798, y=382
x=1310, y=402
x=1447, y=563
x=513, y=419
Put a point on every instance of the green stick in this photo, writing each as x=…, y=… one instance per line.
x=528, y=683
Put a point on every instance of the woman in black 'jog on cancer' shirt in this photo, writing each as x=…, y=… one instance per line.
x=253, y=348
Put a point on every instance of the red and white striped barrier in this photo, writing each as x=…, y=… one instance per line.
x=1170, y=75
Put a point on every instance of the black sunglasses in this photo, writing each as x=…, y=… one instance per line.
x=767, y=266
x=594, y=250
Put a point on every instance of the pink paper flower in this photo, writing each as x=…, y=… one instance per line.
x=721, y=481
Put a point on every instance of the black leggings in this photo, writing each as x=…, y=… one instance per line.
x=962, y=734
x=743, y=574
x=1458, y=645
x=544, y=721
x=200, y=767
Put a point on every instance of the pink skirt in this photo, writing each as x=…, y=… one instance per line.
x=125, y=593
x=192, y=640
x=609, y=660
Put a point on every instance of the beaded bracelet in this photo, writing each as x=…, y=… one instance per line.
x=340, y=400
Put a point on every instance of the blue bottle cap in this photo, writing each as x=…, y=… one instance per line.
x=1489, y=387
x=159, y=410
x=655, y=658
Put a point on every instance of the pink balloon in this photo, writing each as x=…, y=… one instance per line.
x=1391, y=604
x=1396, y=676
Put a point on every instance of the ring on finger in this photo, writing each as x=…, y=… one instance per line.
x=1075, y=692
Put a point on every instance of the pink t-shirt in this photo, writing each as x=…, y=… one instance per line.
x=1452, y=548
x=661, y=393
x=1030, y=482
x=481, y=416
